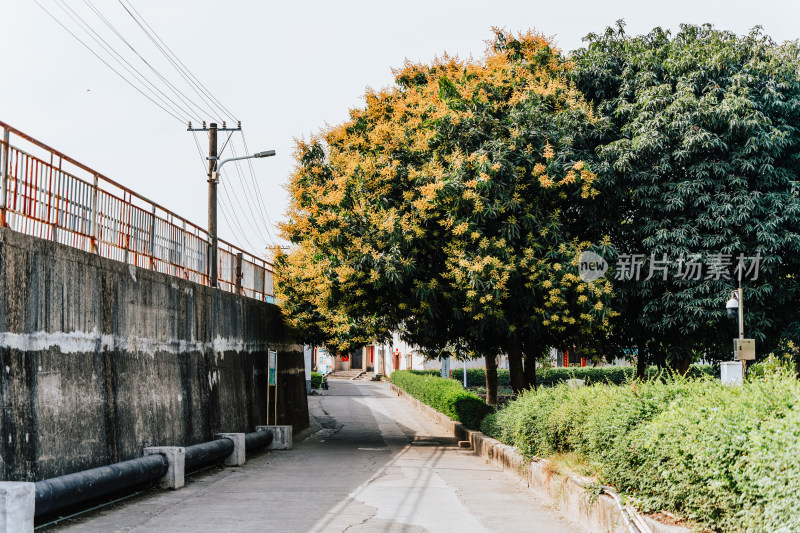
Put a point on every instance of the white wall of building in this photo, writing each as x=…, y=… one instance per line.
x=411, y=359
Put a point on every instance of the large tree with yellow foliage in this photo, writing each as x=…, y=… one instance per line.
x=452, y=204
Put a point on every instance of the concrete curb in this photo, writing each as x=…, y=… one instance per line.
x=597, y=514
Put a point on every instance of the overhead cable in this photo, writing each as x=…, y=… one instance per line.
x=254, y=195
x=178, y=93
x=261, y=201
x=109, y=49
x=126, y=80
x=179, y=66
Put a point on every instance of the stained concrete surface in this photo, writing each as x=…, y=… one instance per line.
x=99, y=359
x=374, y=465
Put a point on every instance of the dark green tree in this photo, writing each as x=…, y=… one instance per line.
x=697, y=149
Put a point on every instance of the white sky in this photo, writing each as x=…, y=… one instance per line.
x=284, y=69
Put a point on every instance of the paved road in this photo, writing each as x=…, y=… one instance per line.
x=375, y=466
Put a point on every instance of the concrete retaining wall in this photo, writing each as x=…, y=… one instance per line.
x=598, y=515
x=99, y=359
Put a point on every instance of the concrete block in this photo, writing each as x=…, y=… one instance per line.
x=17, y=506
x=176, y=457
x=281, y=437
x=237, y=458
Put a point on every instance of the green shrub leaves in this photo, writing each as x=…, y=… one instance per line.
x=444, y=395
x=726, y=457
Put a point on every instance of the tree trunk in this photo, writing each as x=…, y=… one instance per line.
x=491, y=380
x=515, y=364
x=531, y=351
x=681, y=362
x=641, y=362
x=658, y=356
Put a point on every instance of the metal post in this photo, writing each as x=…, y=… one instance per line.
x=95, y=247
x=4, y=179
x=264, y=284
x=741, y=314
x=741, y=321
x=465, y=373
x=126, y=214
x=153, y=240
x=238, y=273
x=276, y=389
x=212, y=204
x=184, y=260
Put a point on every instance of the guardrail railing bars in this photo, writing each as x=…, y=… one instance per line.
x=86, y=210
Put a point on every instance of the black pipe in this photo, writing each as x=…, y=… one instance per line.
x=257, y=439
x=200, y=454
x=72, y=489
x=65, y=491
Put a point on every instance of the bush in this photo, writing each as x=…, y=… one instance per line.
x=548, y=377
x=316, y=380
x=726, y=457
x=444, y=395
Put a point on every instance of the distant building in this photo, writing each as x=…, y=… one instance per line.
x=384, y=359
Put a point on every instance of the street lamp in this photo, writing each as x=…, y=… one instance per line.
x=212, y=201
x=266, y=153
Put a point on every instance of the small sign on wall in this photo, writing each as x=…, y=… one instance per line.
x=273, y=367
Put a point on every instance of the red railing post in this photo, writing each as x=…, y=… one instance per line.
x=4, y=178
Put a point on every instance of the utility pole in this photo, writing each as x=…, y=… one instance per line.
x=212, y=204
x=213, y=180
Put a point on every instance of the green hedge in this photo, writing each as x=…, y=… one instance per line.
x=476, y=377
x=548, y=377
x=727, y=457
x=444, y=395
x=316, y=380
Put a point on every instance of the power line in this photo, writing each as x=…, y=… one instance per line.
x=224, y=198
x=109, y=49
x=184, y=106
x=126, y=80
x=180, y=67
x=249, y=220
x=247, y=194
x=263, y=204
x=178, y=93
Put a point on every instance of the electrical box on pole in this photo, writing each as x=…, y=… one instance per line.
x=744, y=349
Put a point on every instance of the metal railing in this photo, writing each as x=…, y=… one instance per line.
x=46, y=194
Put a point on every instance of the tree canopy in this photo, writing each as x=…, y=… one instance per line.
x=452, y=204
x=698, y=158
